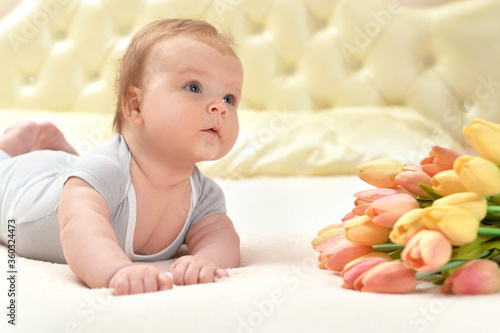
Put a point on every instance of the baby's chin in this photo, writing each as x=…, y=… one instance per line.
x=216, y=157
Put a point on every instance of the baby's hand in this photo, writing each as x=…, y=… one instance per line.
x=192, y=270
x=138, y=279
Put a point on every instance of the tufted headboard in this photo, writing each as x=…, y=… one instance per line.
x=328, y=84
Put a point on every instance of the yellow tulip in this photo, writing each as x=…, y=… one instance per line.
x=380, y=173
x=326, y=236
x=470, y=201
x=407, y=226
x=478, y=174
x=447, y=182
x=361, y=230
x=458, y=225
x=484, y=137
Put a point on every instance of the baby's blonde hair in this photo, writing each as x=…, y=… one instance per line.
x=134, y=59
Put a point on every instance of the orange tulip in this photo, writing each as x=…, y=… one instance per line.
x=362, y=230
x=428, y=250
x=391, y=277
x=479, y=276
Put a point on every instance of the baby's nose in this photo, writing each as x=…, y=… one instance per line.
x=217, y=107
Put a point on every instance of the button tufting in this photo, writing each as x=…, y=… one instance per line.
x=466, y=105
x=290, y=69
x=125, y=31
x=429, y=61
x=258, y=28
x=321, y=24
x=95, y=76
x=357, y=65
x=31, y=79
x=61, y=35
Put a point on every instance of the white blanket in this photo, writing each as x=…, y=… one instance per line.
x=278, y=288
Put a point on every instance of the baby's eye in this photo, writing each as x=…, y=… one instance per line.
x=193, y=87
x=228, y=99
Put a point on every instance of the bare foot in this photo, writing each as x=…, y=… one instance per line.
x=19, y=138
x=50, y=137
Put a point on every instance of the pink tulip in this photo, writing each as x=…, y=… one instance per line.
x=387, y=210
x=366, y=197
x=439, y=159
x=348, y=216
x=411, y=178
x=369, y=196
x=355, y=268
x=426, y=251
x=391, y=277
x=479, y=276
x=343, y=252
x=323, y=246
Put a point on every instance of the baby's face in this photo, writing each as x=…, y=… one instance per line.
x=191, y=94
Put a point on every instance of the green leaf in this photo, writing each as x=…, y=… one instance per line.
x=395, y=255
x=430, y=192
x=480, y=245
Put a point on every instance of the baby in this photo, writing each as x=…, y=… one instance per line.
x=139, y=196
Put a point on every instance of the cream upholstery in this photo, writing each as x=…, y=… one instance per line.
x=334, y=61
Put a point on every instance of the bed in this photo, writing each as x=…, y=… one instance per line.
x=328, y=85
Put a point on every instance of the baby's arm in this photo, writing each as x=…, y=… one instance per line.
x=213, y=245
x=90, y=246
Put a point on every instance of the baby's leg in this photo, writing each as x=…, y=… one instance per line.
x=27, y=136
x=19, y=138
x=50, y=137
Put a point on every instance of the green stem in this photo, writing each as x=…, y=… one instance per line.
x=449, y=265
x=387, y=247
x=488, y=231
x=493, y=209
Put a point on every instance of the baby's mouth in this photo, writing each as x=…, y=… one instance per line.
x=212, y=130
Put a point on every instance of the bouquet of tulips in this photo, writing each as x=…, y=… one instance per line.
x=437, y=220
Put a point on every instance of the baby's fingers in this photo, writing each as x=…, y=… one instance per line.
x=164, y=282
x=178, y=271
x=120, y=285
x=206, y=274
x=150, y=283
x=221, y=273
x=139, y=280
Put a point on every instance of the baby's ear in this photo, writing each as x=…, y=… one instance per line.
x=131, y=105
